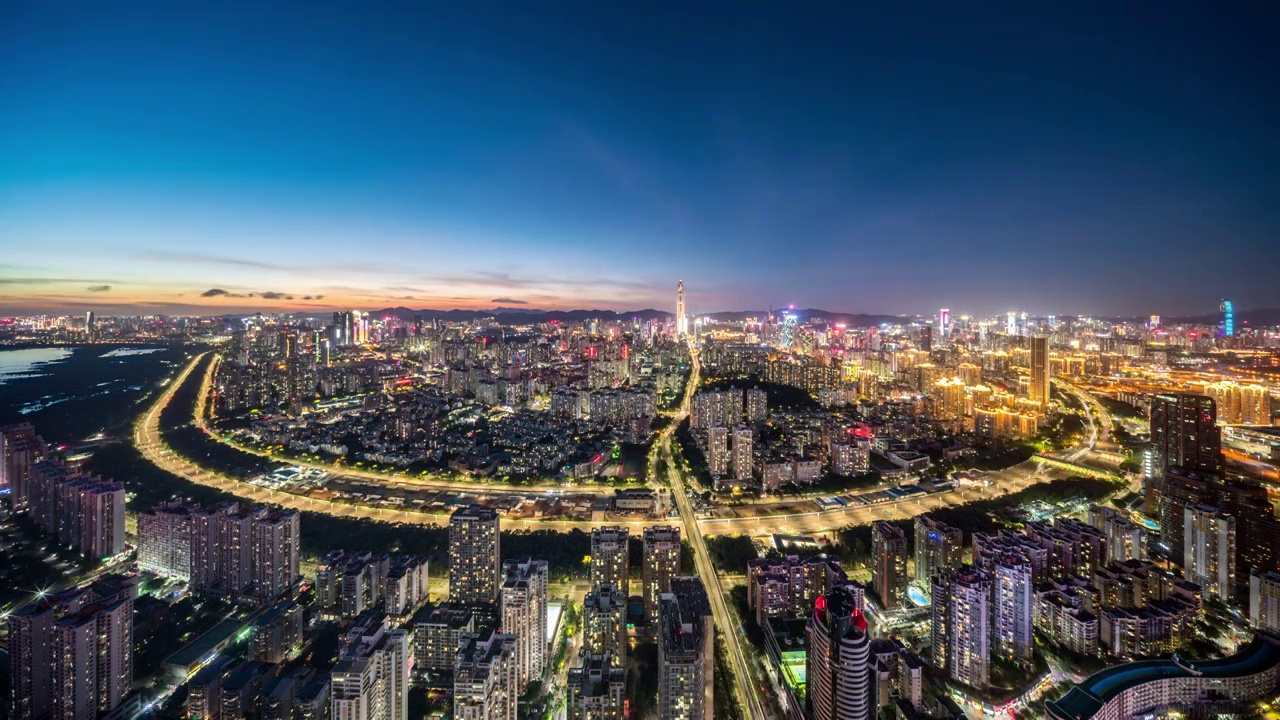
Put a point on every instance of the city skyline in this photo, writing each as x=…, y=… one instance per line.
x=468, y=158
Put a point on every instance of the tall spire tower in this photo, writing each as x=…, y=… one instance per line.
x=682, y=320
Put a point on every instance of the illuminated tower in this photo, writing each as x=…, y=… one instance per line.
x=838, y=663
x=944, y=322
x=1228, y=319
x=1039, y=390
x=473, y=554
x=889, y=563
x=682, y=320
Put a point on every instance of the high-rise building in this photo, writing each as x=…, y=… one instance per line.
x=1038, y=391
x=406, y=586
x=889, y=563
x=742, y=453
x=438, y=631
x=276, y=634
x=718, y=457
x=100, y=518
x=349, y=583
x=604, y=622
x=371, y=678
x=948, y=398
x=1255, y=405
x=86, y=513
x=789, y=585
x=207, y=531
x=1264, y=600
x=524, y=614
x=838, y=666
x=1013, y=608
x=164, y=540
x=1228, y=318
x=964, y=597
x=685, y=651
x=473, y=554
x=940, y=621
x=1184, y=433
x=944, y=322
x=597, y=689
x=939, y=547
x=71, y=653
x=1125, y=539
x=20, y=448
x=661, y=562
x=757, y=406
x=1257, y=527
x=485, y=677
x=611, y=557
x=1209, y=549
x=275, y=540
x=682, y=321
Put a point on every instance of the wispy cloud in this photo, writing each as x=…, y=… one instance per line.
x=98, y=288
x=265, y=295
x=510, y=301
x=46, y=281
x=183, y=256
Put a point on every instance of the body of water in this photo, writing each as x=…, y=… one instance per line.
x=17, y=364
x=73, y=393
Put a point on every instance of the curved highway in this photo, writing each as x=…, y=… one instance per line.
x=146, y=437
x=416, y=482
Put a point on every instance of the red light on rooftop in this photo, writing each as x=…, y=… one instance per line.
x=859, y=620
x=820, y=603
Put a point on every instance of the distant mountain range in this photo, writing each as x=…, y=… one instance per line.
x=1261, y=317
x=534, y=315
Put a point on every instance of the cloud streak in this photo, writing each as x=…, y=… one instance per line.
x=264, y=295
x=206, y=259
x=510, y=301
x=98, y=288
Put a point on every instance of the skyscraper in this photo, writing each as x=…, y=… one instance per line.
x=1228, y=319
x=164, y=540
x=1184, y=433
x=939, y=547
x=1246, y=501
x=1124, y=539
x=742, y=453
x=682, y=321
x=1039, y=388
x=71, y=653
x=685, y=651
x=838, y=670
x=1013, y=608
x=661, y=562
x=940, y=621
x=610, y=558
x=604, y=623
x=963, y=597
x=20, y=448
x=524, y=614
x=1209, y=550
x=889, y=563
x=371, y=678
x=971, y=627
x=473, y=554
x=275, y=541
x=944, y=322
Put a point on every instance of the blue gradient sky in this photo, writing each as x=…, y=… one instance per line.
x=1094, y=159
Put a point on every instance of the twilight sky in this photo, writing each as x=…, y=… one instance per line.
x=1117, y=158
